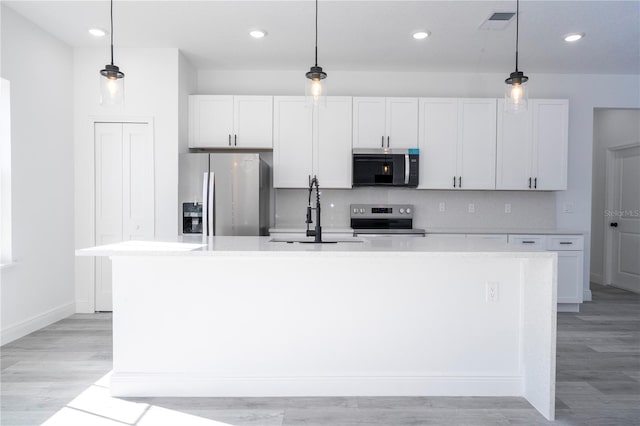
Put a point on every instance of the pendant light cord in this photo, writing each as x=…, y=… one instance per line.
x=111, y=32
x=517, y=29
x=316, y=32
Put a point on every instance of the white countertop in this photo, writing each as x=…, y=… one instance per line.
x=221, y=246
x=499, y=231
x=518, y=231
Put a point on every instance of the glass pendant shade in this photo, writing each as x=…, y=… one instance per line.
x=316, y=87
x=516, y=95
x=111, y=86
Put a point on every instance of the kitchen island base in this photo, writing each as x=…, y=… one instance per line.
x=329, y=323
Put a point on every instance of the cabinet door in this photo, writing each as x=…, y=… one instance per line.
x=438, y=135
x=477, y=139
x=211, y=121
x=332, y=153
x=550, y=142
x=253, y=121
x=570, y=276
x=401, y=123
x=514, y=149
x=369, y=123
x=292, y=142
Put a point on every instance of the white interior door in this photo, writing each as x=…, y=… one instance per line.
x=124, y=193
x=624, y=220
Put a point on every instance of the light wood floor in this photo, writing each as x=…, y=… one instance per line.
x=56, y=376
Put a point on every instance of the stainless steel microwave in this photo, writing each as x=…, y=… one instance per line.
x=385, y=167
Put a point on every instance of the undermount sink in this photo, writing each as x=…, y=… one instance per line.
x=310, y=240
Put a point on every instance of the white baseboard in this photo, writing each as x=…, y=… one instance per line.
x=568, y=307
x=586, y=296
x=191, y=385
x=36, y=322
x=596, y=278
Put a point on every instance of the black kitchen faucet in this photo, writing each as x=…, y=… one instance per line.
x=317, y=232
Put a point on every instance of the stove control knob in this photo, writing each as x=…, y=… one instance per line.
x=355, y=210
x=401, y=211
x=361, y=211
x=408, y=210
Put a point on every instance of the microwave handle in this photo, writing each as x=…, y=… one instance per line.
x=407, y=164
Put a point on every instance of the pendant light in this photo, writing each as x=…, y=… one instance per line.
x=111, y=79
x=316, y=89
x=516, y=92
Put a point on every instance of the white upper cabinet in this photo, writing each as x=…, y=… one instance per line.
x=385, y=122
x=230, y=121
x=457, y=143
x=312, y=141
x=532, y=146
x=292, y=142
x=332, y=144
x=550, y=143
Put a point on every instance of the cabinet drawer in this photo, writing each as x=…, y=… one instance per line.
x=565, y=242
x=534, y=241
x=492, y=237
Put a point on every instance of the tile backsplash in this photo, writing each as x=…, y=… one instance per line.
x=529, y=209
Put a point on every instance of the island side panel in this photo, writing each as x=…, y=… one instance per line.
x=295, y=324
x=540, y=277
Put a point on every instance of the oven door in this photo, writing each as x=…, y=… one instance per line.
x=380, y=170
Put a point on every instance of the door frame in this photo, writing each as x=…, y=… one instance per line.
x=610, y=177
x=85, y=269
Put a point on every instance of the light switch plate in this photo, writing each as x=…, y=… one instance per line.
x=472, y=208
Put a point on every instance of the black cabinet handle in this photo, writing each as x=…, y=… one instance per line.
x=235, y=140
x=535, y=183
x=613, y=224
x=528, y=242
x=383, y=141
x=529, y=183
x=388, y=138
x=460, y=182
x=454, y=181
x=566, y=242
x=229, y=139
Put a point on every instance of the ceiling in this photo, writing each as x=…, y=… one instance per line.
x=360, y=35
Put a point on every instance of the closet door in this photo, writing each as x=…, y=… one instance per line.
x=124, y=188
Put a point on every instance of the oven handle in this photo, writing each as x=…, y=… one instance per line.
x=406, y=169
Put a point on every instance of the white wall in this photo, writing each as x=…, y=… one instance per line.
x=585, y=92
x=38, y=289
x=151, y=91
x=611, y=128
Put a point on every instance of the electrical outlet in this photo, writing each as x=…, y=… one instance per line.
x=492, y=291
x=569, y=208
x=441, y=207
x=507, y=208
x=472, y=208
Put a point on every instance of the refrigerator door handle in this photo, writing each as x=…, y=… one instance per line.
x=205, y=205
x=211, y=205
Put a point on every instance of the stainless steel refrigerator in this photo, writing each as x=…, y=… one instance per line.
x=224, y=194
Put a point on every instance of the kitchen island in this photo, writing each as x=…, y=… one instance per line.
x=246, y=316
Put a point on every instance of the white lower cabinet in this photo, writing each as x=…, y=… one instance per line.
x=312, y=141
x=570, y=250
x=570, y=276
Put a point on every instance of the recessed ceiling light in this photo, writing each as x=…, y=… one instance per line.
x=420, y=35
x=257, y=33
x=573, y=37
x=97, y=32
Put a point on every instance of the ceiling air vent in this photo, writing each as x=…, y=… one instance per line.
x=497, y=21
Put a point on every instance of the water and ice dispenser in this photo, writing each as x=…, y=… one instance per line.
x=192, y=218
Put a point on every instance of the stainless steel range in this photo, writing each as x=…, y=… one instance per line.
x=383, y=220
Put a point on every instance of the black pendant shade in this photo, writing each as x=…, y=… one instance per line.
x=112, y=83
